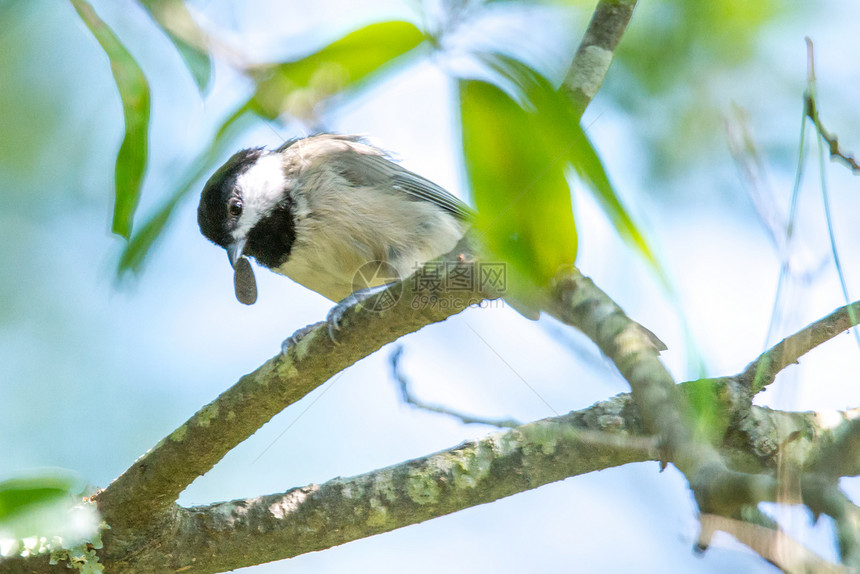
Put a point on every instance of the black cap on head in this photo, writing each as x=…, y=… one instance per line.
x=212, y=212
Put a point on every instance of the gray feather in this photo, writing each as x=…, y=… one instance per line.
x=376, y=170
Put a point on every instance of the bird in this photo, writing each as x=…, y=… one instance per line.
x=319, y=208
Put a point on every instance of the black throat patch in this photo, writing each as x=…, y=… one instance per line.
x=271, y=240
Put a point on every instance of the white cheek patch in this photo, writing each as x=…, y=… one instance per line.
x=261, y=187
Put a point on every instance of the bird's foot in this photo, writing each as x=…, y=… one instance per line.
x=335, y=315
x=338, y=311
x=294, y=339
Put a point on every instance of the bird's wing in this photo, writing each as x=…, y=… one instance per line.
x=365, y=165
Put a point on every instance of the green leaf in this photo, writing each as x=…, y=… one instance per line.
x=46, y=513
x=136, y=250
x=22, y=494
x=559, y=120
x=134, y=92
x=710, y=408
x=296, y=87
x=517, y=178
x=173, y=17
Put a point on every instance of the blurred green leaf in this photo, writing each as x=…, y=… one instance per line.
x=675, y=38
x=558, y=119
x=517, y=177
x=46, y=513
x=136, y=250
x=296, y=87
x=710, y=406
x=21, y=494
x=134, y=92
x=710, y=45
x=173, y=17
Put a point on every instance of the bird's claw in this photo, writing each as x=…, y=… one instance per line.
x=334, y=316
x=339, y=310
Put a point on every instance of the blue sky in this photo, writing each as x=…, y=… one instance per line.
x=95, y=374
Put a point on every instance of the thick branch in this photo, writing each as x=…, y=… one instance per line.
x=577, y=301
x=607, y=434
x=840, y=456
x=154, y=482
x=241, y=533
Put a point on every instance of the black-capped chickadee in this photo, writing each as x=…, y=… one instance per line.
x=318, y=209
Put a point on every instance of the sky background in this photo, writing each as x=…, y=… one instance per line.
x=95, y=372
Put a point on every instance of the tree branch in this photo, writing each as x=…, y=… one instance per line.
x=150, y=486
x=840, y=454
x=811, y=109
x=762, y=372
x=595, y=52
x=577, y=301
x=610, y=433
x=239, y=533
x=143, y=495
x=773, y=545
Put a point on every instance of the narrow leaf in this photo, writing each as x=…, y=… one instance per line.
x=517, y=178
x=134, y=92
x=173, y=17
x=560, y=120
x=297, y=86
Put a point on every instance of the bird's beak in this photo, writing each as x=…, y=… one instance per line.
x=234, y=251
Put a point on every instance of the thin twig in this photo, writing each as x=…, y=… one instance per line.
x=825, y=196
x=836, y=153
x=411, y=399
x=754, y=176
x=773, y=545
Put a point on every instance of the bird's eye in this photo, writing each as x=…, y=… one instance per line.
x=235, y=207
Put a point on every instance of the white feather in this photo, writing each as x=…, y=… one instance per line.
x=261, y=188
